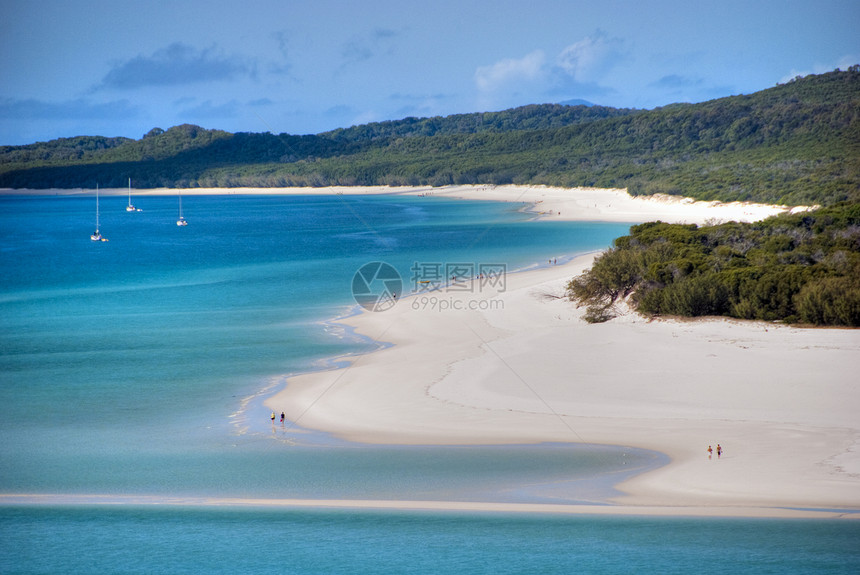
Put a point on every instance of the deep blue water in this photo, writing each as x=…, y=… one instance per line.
x=124, y=366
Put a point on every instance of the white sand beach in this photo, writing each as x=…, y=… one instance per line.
x=611, y=205
x=518, y=365
x=577, y=204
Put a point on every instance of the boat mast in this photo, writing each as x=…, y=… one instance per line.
x=96, y=236
x=181, y=221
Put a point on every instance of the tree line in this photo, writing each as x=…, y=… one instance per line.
x=796, y=143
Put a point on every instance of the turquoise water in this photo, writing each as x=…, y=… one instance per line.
x=125, y=366
x=147, y=540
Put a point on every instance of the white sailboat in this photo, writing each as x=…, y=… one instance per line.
x=129, y=207
x=96, y=235
x=181, y=221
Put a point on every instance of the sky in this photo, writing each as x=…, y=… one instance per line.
x=120, y=67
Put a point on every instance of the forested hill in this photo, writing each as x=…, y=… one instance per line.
x=535, y=117
x=796, y=143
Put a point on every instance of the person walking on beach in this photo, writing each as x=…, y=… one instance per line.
x=710, y=452
x=719, y=451
x=282, y=418
x=273, y=418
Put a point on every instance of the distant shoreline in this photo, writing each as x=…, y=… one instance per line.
x=563, y=204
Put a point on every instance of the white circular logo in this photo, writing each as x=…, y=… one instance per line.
x=376, y=285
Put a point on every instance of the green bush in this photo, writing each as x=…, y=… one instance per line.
x=830, y=301
x=802, y=267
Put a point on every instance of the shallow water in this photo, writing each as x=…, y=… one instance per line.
x=125, y=364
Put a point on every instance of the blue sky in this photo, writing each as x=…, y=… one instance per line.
x=120, y=68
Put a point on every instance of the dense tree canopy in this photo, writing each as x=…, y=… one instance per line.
x=803, y=268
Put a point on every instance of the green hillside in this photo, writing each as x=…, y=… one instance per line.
x=796, y=143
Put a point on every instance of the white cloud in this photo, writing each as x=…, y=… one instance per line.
x=510, y=73
x=589, y=59
x=575, y=72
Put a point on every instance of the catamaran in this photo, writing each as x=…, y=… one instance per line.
x=129, y=207
x=181, y=221
x=96, y=235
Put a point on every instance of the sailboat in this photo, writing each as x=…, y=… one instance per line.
x=129, y=207
x=96, y=235
x=181, y=221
